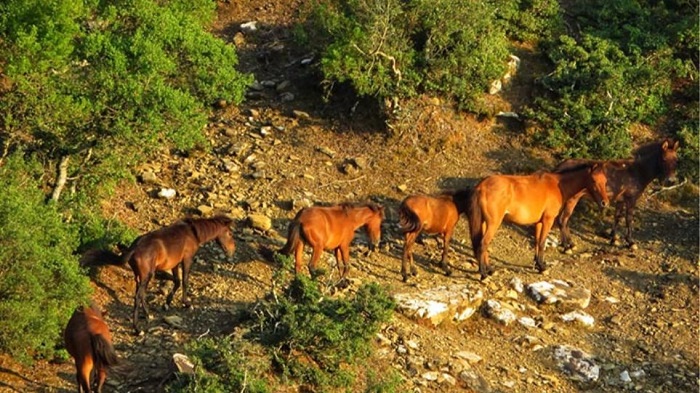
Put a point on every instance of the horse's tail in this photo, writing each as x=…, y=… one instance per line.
x=475, y=216
x=293, y=238
x=103, y=351
x=100, y=257
x=408, y=219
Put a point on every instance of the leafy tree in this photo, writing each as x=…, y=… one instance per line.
x=107, y=81
x=40, y=281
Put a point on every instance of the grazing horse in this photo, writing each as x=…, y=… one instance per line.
x=166, y=249
x=526, y=200
x=89, y=341
x=627, y=180
x=332, y=228
x=430, y=214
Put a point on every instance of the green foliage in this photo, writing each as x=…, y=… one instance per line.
x=40, y=281
x=394, y=49
x=113, y=79
x=530, y=20
x=383, y=382
x=221, y=366
x=317, y=335
x=620, y=70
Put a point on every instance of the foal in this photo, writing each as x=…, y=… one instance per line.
x=331, y=228
x=430, y=214
x=89, y=341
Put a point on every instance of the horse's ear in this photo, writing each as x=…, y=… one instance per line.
x=676, y=145
x=664, y=146
x=597, y=167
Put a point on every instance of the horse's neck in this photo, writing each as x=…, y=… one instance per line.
x=645, y=170
x=359, y=216
x=571, y=183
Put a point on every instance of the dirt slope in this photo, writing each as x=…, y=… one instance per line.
x=265, y=159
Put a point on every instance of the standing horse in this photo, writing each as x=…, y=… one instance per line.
x=526, y=200
x=166, y=249
x=332, y=228
x=430, y=214
x=627, y=180
x=89, y=341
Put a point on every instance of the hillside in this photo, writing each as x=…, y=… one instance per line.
x=286, y=147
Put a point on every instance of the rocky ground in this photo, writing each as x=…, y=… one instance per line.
x=286, y=148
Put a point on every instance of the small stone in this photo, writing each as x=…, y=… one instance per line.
x=282, y=86
x=183, y=364
x=301, y=115
x=449, y=379
x=167, y=193
x=527, y=322
x=330, y=153
x=287, y=96
x=148, y=177
x=625, y=376
x=260, y=221
x=249, y=26
x=204, y=209
x=581, y=317
x=430, y=376
x=402, y=187
x=173, y=320
x=239, y=39
x=470, y=357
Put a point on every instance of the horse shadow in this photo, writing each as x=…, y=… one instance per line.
x=36, y=386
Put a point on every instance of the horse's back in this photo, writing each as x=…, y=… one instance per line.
x=164, y=247
x=85, y=322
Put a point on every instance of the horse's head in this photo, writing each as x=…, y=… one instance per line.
x=374, y=225
x=225, y=237
x=599, y=184
x=669, y=162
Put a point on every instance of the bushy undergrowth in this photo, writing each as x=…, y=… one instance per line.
x=394, y=49
x=310, y=338
x=221, y=366
x=40, y=281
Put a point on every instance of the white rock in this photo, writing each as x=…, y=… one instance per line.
x=183, y=364
x=167, y=193
x=581, y=317
x=561, y=293
x=430, y=376
x=249, y=26
x=495, y=310
x=517, y=284
x=625, y=376
x=433, y=306
x=576, y=363
x=527, y=322
x=470, y=357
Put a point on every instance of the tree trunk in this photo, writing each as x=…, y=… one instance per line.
x=62, y=177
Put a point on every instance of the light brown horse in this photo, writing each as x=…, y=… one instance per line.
x=430, y=214
x=166, y=249
x=332, y=228
x=526, y=200
x=89, y=341
x=627, y=180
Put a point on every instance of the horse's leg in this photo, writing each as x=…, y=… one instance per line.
x=176, y=285
x=629, y=211
x=186, y=265
x=84, y=369
x=485, y=268
x=315, y=256
x=101, y=377
x=619, y=206
x=542, y=229
x=407, y=260
x=140, y=298
x=298, y=257
x=345, y=253
x=446, y=237
x=564, y=217
x=339, y=261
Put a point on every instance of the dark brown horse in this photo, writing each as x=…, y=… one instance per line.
x=166, y=249
x=332, y=228
x=430, y=214
x=627, y=180
x=89, y=341
x=526, y=200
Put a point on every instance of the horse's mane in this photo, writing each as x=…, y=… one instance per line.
x=208, y=228
x=460, y=197
x=574, y=165
x=651, y=149
x=354, y=205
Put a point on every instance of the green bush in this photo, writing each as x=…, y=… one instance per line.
x=393, y=49
x=318, y=335
x=40, y=281
x=530, y=20
x=622, y=68
x=221, y=366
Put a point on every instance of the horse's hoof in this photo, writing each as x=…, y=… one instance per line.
x=405, y=278
x=166, y=307
x=188, y=305
x=448, y=272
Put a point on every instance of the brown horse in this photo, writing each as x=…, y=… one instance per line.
x=166, y=249
x=332, y=228
x=627, y=180
x=526, y=200
x=89, y=341
x=430, y=214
